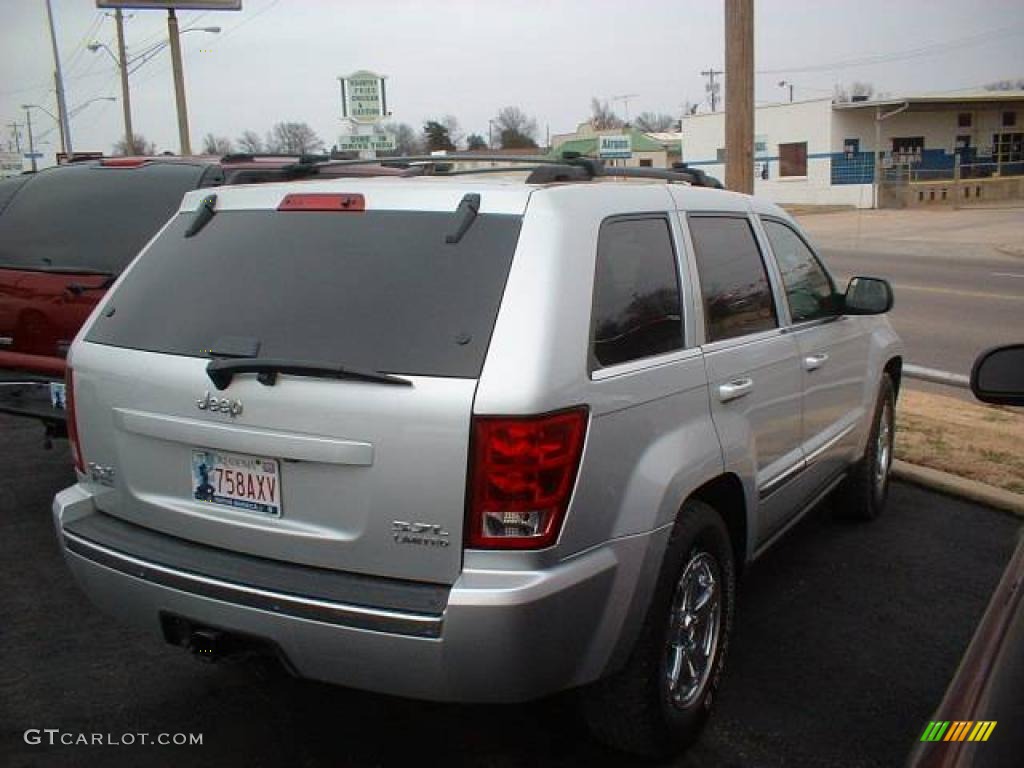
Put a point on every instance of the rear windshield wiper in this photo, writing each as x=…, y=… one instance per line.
x=202, y=216
x=221, y=372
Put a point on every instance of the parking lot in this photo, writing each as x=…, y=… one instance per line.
x=846, y=637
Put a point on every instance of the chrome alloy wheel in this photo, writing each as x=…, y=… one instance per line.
x=693, y=630
x=883, y=447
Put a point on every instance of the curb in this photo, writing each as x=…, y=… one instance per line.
x=961, y=487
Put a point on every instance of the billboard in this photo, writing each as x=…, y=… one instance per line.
x=178, y=5
x=363, y=98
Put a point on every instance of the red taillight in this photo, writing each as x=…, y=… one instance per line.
x=521, y=477
x=315, y=201
x=69, y=404
x=123, y=162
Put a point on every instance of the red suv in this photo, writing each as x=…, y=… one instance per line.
x=67, y=232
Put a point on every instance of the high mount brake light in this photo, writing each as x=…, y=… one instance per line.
x=522, y=475
x=315, y=201
x=69, y=404
x=123, y=162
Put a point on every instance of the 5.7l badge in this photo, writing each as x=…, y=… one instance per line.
x=423, y=534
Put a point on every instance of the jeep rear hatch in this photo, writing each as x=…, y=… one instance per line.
x=353, y=339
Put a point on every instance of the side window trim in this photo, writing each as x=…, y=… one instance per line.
x=771, y=268
x=780, y=287
x=595, y=371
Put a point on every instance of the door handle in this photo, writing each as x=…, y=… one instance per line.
x=734, y=389
x=814, y=362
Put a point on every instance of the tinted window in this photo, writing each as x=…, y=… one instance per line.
x=636, y=292
x=378, y=290
x=733, y=281
x=809, y=291
x=91, y=217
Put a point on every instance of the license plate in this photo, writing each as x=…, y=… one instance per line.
x=234, y=480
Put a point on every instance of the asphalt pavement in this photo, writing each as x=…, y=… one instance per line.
x=958, y=276
x=845, y=639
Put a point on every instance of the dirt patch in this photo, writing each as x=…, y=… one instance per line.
x=800, y=209
x=980, y=442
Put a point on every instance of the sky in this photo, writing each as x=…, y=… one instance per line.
x=279, y=60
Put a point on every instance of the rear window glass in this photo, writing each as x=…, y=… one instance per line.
x=378, y=290
x=89, y=217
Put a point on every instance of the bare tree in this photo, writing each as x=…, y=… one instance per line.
x=516, y=129
x=1006, y=85
x=138, y=146
x=250, y=142
x=855, y=91
x=651, y=122
x=293, y=139
x=216, y=145
x=602, y=116
x=406, y=140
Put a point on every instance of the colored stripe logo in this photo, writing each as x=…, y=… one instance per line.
x=958, y=730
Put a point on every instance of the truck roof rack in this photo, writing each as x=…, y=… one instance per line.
x=571, y=166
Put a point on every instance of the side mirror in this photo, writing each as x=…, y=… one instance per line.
x=998, y=375
x=867, y=296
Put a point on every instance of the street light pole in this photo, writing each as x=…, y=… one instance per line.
x=122, y=63
x=61, y=105
x=179, y=81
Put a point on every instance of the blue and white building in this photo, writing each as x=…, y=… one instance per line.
x=822, y=153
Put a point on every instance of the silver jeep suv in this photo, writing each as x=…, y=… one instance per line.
x=468, y=438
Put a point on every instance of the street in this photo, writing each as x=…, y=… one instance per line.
x=846, y=637
x=958, y=281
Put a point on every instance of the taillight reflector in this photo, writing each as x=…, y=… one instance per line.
x=521, y=478
x=69, y=404
x=315, y=201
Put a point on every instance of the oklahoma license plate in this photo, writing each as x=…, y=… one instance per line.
x=234, y=480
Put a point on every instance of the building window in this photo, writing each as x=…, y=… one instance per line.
x=1009, y=119
x=907, y=150
x=963, y=120
x=720, y=154
x=646, y=162
x=637, y=308
x=1008, y=147
x=793, y=159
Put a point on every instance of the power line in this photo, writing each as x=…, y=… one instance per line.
x=884, y=58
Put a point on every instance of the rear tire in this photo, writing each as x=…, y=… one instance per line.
x=862, y=495
x=658, y=703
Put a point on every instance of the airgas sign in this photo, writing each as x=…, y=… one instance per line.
x=614, y=147
x=363, y=97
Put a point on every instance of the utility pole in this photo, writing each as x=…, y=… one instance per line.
x=31, y=144
x=739, y=96
x=62, y=110
x=179, y=81
x=711, y=88
x=122, y=62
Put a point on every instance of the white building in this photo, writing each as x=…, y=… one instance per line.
x=934, y=149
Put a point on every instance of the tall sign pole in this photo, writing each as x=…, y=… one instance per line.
x=179, y=82
x=31, y=143
x=739, y=95
x=122, y=63
x=62, y=109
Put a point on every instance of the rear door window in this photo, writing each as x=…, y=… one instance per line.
x=733, y=280
x=378, y=290
x=636, y=292
x=89, y=217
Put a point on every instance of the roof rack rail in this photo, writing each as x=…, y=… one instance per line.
x=571, y=166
